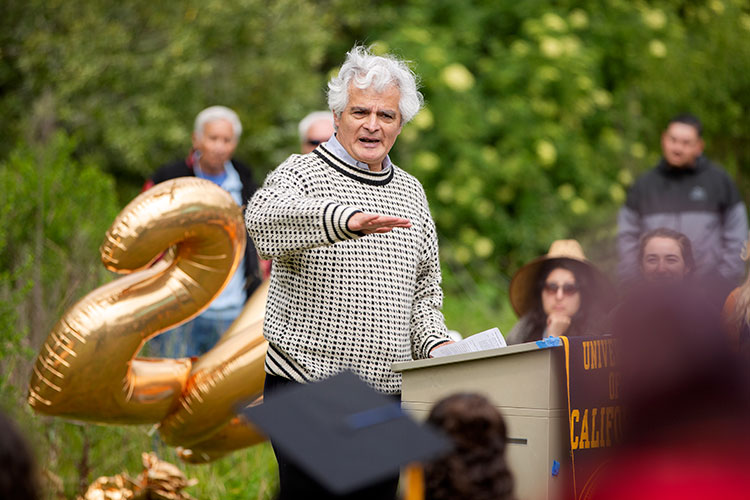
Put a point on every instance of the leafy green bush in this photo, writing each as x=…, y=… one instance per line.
x=540, y=114
x=60, y=210
x=130, y=77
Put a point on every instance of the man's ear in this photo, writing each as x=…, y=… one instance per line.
x=336, y=120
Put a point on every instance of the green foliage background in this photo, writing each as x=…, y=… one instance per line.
x=539, y=115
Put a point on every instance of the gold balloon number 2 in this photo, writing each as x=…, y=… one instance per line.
x=87, y=368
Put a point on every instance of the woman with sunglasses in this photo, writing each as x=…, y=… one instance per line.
x=560, y=293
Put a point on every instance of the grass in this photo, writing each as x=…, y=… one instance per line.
x=71, y=455
x=249, y=473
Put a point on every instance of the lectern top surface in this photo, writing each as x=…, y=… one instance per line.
x=549, y=343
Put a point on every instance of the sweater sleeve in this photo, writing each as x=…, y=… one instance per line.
x=427, y=323
x=281, y=219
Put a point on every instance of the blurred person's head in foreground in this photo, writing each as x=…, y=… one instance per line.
x=560, y=293
x=665, y=254
x=18, y=480
x=676, y=365
x=315, y=129
x=476, y=469
x=736, y=312
x=685, y=399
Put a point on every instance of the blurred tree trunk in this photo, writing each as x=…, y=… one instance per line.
x=41, y=127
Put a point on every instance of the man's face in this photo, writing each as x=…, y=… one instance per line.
x=681, y=145
x=662, y=260
x=369, y=125
x=320, y=131
x=216, y=144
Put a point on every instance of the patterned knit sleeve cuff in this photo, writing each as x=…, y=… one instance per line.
x=433, y=342
x=335, y=219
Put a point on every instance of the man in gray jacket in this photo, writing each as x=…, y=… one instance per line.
x=688, y=193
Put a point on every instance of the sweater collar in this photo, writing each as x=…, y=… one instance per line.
x=335, y=147
x=346, y=168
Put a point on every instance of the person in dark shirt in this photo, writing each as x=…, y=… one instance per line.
x=688, y=193
x=215, y=137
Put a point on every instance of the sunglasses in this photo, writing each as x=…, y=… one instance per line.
x=568, y=289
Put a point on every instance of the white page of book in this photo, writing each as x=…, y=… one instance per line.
x=482, y=341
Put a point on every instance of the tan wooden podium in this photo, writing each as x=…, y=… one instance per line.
x=527, y=384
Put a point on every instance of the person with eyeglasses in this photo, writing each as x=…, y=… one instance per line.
x=560, y=293
x=315, y=129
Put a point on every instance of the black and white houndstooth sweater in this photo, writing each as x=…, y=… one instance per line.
x=340, y=300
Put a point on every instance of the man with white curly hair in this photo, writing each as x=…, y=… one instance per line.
x=355, y=282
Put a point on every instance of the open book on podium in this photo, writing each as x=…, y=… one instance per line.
x=482, y=341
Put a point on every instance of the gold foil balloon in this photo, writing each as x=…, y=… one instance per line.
x=238, y=433
x=158, y=480
x=229, y=374
x=87, y=368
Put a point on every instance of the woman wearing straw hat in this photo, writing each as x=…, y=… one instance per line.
x=560, y=293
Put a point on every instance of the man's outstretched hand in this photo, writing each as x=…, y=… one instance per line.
x=374, y=223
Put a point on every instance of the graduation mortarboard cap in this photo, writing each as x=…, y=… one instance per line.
x=343, y=433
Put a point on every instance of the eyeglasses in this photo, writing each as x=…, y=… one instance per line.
x=568, y=289
x=313, y=142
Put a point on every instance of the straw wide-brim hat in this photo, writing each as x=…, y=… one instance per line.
x=522, y=285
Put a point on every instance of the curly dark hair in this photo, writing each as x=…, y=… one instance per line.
x=476, y=468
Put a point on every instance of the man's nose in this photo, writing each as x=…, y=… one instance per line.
x=220, y=146
x=372, y=122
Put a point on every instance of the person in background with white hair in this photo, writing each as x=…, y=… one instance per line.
x=355, y=282
x=216, y=133
x=315, y=129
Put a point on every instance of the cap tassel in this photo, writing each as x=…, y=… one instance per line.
x=414, y=474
